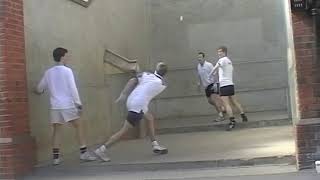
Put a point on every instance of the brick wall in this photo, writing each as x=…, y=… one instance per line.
x=308, y=76
x=17, y=148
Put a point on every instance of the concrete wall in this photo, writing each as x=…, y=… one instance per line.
x=253, y=30
x=150, y=30
x=108, y=24
x=292, y=71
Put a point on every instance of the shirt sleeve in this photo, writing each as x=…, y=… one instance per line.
x=211, y=66
x=43, y=84
x=221, y=62
x=73, y=88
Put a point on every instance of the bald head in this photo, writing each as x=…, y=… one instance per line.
x=161, y=68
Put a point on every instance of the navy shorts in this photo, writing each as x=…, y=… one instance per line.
x=212, y=89
x=227, y=90
x=134, y=118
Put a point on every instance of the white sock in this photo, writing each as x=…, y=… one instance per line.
x=221, y=114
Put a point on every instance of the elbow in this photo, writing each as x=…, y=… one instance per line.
x=133, y=81
x=37, y=92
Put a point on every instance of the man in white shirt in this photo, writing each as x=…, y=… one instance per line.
x=210, y=84
x=65, y=102
x=142, y=90
x=225, y=68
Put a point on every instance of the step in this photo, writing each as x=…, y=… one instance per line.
x=205, y=123
x=288, y=160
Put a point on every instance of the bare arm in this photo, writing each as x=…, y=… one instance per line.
x=131, y=84
x=214, y=70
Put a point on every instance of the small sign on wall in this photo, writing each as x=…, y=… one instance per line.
x=298, y=4
x=84, y=3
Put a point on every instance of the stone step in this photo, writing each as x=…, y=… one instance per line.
x=205, y=123
x=288, y=160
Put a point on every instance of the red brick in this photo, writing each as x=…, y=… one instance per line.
x=13, y=92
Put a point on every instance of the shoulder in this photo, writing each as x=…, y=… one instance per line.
x=208, y=64
x=224, y=60
x=139, y=75
x=67, y=69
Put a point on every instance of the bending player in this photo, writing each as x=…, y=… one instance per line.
x=142, y=90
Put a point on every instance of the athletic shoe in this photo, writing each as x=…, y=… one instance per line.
x=56, y=162
x=219, y=118
x=102, y=155
x=231, y=125
x=244, y=118
x=87, y=157
x=158, y=149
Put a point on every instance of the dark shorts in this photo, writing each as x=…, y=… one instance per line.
x=227, y=90
x=134, y=118
x=212, y=89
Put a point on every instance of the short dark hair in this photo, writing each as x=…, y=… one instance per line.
x=58, y=53
x=202, y=53
x=224, y=49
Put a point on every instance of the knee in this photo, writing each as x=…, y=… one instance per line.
x=55, y=127
x=210, y=101
x=75, y=124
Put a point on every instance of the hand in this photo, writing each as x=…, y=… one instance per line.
x=35, y=91
x=79, y=108
x=199, y=87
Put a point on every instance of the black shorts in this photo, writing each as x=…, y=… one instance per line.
x=212, y=89
x=227, y=90
x=134, y=118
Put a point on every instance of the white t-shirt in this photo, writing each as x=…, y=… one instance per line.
x=60, y=83
x=204, y=71
x=225, y=72
x=149, y=86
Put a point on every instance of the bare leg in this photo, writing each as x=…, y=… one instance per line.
x=236, y=103
x=155, y=145
x=213, y=101
x=151, y=130
x=101, y=151
x=226, y=103
x=232, y=122
x=79, y=132
x=117, y=136
x=56, y=128
x=239, y=107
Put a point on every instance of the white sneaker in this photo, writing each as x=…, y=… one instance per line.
x=87, y=157
x=56, y=162
x=102, y=155
x=158, y=149
x=219, y=118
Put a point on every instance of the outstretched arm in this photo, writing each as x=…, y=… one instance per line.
x=214, y=70
x=131, y=84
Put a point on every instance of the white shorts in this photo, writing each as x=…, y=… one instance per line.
x=61, y=116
